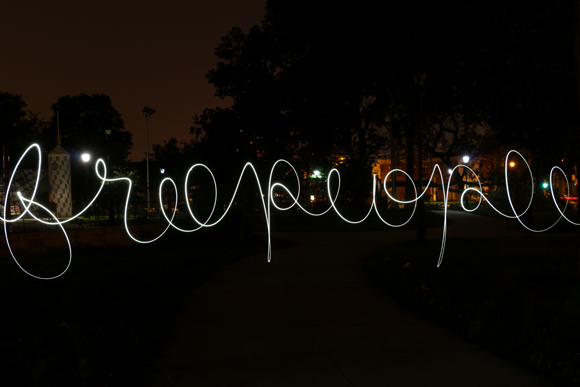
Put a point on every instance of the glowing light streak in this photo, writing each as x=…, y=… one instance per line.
x=268, y=200
x=24, y=200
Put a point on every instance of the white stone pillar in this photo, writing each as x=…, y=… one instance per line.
x=60, y=181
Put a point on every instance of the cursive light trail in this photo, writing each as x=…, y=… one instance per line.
x=267, y=201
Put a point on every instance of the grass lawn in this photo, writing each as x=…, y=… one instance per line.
x=537, y=217
x=104, y=322
x=518, y=297
x=294, y=220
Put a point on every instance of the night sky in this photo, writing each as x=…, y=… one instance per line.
x=140, y=53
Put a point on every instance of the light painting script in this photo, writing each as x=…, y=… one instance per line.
x=268, y=201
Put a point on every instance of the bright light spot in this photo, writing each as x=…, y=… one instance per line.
x=512, y=164
x=317, y=173
x=86, y=157
x=311, y=198
x=465, y=159
x=545, y=185
x=450, y=171
x=162, y=170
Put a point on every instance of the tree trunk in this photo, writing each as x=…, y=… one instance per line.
x=576, y=69
x=394, y=165
x=410, y=164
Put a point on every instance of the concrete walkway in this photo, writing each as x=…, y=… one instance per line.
x=311, y=318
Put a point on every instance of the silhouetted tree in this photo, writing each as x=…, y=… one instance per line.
x=83, y=122
x=19, y=127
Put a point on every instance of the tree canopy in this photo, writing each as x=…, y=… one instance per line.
x=19, y=127
x=316, y=79
x=83, y=122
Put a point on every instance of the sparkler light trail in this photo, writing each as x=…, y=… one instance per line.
x=267, y=199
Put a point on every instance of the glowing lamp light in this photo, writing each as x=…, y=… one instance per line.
x=450, y=171
x=317, y=173
x=512, y=164
x=86, y=157
x=162, y=170
x=311, y=198
x=465, y=159
x=545, y=185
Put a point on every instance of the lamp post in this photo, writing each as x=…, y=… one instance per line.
x=7, y=213
x=86, y=158
x=147, y=112
x=166, y=196
x=108, y=133
x=420, y=83
x=465, y=161
x=514, y=173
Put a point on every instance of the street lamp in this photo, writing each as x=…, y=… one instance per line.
x=86, y=158
x=515, y=174
x=108, y=134
x=147, y=112
x=419, y=80
x=465, y=161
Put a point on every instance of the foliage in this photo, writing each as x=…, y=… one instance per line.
x=19, y=127
x=320, y=81
x=294, y=94
x=82, y=122
x=253, y=128
x=534, y=107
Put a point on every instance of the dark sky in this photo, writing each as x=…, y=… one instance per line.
x=140, y=53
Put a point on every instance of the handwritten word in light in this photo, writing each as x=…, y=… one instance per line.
x=267, y=200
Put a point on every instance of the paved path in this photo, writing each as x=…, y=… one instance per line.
x=311, y=318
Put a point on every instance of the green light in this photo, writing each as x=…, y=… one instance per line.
x=545, y=185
